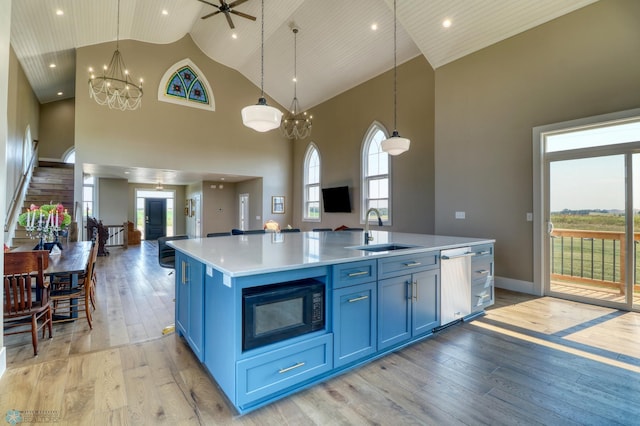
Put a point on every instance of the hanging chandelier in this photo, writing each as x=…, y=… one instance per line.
x=396, y=144
x=114, y=87
x=261, y=117
x=296, y=125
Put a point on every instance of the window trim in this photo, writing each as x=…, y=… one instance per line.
x=305, y=185
x=364, y=187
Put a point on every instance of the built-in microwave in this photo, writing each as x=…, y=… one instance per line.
x=277, y=312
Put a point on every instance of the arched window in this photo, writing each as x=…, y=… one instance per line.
x=69, y=156
x=376, y=177
x=311, y=195
x=184, y=84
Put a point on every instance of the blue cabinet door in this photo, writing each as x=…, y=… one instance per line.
x=425, y=302
x=190, y=302
x=394, y=311
x=182, y=294
x=195, y=334
x=354, y=322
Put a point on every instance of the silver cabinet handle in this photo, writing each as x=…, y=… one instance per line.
x=184, y=272
x=445, y=257
x=483, y=296
x=357, y=299
x=409, y=265
x=482, y=253
x=293, y=367
x=483, y=271
x=357, y=274
x=415, y=291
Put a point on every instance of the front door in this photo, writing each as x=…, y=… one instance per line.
x=155, y=218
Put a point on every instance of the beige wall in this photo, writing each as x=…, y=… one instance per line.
x=339, y=126
x=22, y=112
x=113, y=200
x=583, y=64
x=167, y=136
x=5, y=25
x=56, y=129
x=219, y=206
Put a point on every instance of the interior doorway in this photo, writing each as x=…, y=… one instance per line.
x=243, y=212
x=155, y=208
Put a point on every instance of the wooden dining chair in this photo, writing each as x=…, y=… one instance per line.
x=24, y=308
x=78, y=299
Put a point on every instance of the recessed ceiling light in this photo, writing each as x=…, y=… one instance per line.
x=165, y=12
x=374, y=26
x=60, y=93
x=59, y=12
x=52, y=65
x=234, y=36
x=446, y=23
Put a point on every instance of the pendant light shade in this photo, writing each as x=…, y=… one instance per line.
x=395, y=145
x=261, y=117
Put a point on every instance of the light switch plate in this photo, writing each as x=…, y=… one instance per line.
x=460, y=215
x=529, y=217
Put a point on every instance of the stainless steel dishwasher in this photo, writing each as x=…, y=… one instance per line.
x=455, y=284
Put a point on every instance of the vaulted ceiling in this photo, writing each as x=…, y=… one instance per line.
x=337, y=47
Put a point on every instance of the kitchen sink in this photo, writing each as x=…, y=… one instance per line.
x=383, y=247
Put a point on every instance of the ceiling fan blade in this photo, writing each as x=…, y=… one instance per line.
x=244, y=15
x=210, y=4
x=229, y=20
x=210, y=15
x=237, y=3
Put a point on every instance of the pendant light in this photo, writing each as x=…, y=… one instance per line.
x=396, y=144
x=261, y=117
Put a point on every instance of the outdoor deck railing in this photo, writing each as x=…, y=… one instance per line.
x=592, y=257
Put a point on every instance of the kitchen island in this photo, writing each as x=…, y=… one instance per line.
x=271, y=314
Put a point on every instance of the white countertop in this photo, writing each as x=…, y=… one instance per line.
x=243, y=255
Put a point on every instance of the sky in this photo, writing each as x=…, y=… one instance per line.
x=593, y=183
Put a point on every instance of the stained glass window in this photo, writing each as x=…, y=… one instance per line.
x=185, y=84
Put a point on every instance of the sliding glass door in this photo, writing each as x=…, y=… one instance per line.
x=592, y=199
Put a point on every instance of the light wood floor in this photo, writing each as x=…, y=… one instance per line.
x=528, y=361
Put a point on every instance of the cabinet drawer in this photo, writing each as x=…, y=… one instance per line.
x=396, y=265
x=481, y=269
x=271, y=372
x=348, y=274
x=482, y=250
x=482, y=295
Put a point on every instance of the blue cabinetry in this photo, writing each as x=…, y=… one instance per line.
x=354, y=323
x=408, y=304
x=190, y=302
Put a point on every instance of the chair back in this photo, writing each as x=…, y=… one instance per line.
x=254, y=231
x=167, y=254
x=218, y=234
x=285, y=230
x=20, y=268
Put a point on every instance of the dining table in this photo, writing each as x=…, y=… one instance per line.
x=70, y=261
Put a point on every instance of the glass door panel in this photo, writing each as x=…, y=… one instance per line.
x=635, y=291
x=587, y=245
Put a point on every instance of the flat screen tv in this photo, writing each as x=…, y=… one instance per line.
x=336, y=200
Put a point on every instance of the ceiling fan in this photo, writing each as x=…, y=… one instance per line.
x=227, y=9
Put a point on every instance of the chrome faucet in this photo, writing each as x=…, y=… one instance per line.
x=367, y=237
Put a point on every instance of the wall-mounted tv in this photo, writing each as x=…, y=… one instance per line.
x=336, y=200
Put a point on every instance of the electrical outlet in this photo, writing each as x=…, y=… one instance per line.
x=460, y=215
x=529, y=217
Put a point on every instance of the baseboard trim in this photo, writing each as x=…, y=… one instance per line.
x=516, y=285
x=3, y=360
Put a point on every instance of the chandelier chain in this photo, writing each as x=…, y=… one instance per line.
x=295, y=64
